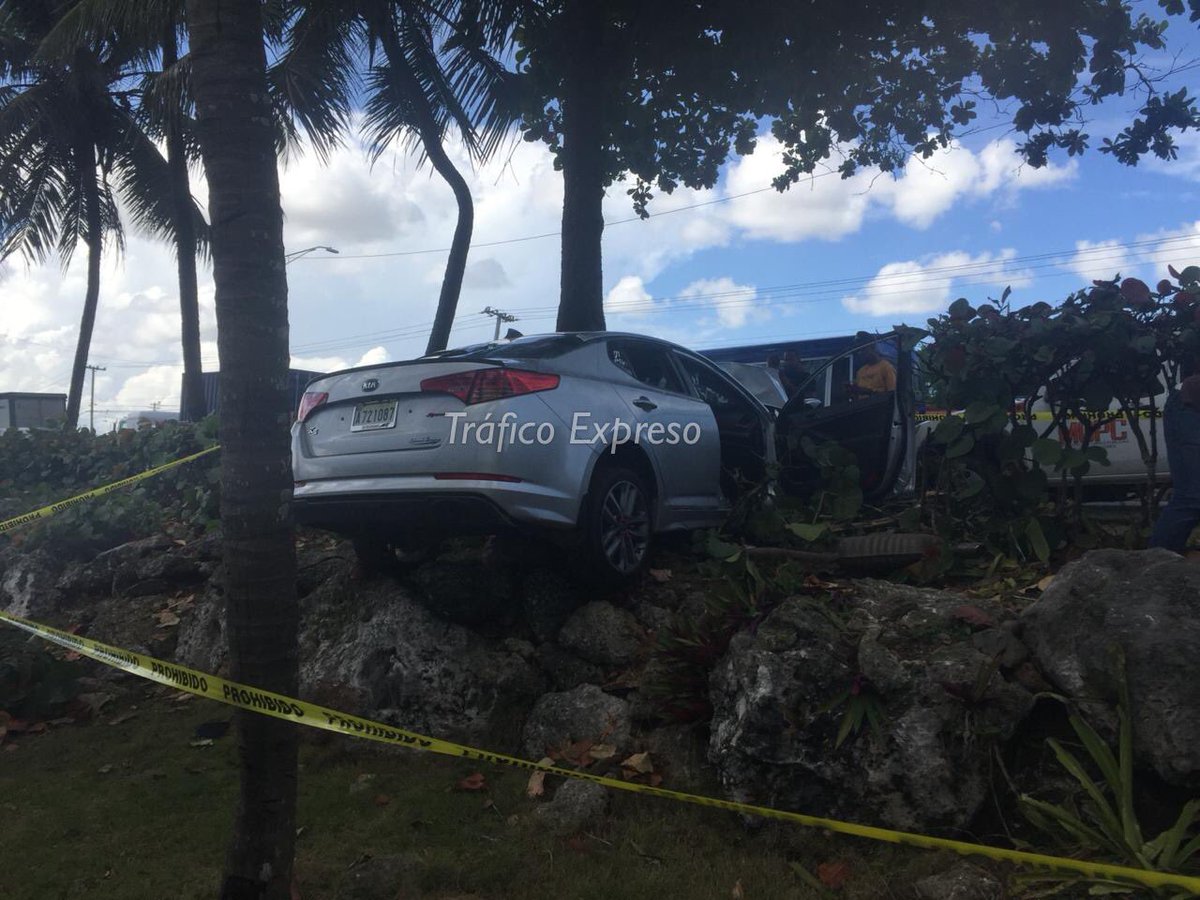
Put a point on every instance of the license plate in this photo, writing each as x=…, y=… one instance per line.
x=374, y=416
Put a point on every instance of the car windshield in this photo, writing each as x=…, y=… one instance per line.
x=540, y=347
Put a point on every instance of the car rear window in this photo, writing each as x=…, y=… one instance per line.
x=543, y=347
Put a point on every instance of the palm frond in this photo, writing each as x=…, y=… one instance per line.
x=387, y=115
x=315, y=76
x=143, y=182
x=165, y=97
x=31, y=211
x=137, y=27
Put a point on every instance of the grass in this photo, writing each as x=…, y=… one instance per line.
x=131, y=811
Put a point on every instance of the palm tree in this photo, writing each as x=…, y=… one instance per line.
x=70, y=146
x=153, y=28
x=237, y=143
x=430, y=67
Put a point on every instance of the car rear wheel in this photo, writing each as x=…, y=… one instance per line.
x=617, y=530
x=380, y=556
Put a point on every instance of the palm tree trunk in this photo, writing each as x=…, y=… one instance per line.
x=192, y=406
x=460, y=244
x=431, y=139
x=86, y=165
x=581, y=300
x=234, y=124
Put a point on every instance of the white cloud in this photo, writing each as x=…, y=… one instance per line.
x=628, y=297
x=1100, y=259
x=1181, y=249
x=485, y=274
x=1186, y=164
x=374, y=357
x=930, y=187
x=926, y=286
x=319, y=363
x=735, y=304
x=826, y=207
x=1145, y=256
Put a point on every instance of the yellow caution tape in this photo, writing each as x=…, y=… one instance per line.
x=1046, y=416
x=290, y=709
x=47, y=511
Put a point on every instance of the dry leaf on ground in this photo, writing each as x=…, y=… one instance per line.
x=833, y=874
x=662, y=576
x=639, y=763
x=536, y=786
x=473, y=782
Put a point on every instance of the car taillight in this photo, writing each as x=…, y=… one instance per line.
x=310, y=401
x=483, y=385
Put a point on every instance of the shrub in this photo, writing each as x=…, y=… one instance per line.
x=1105, y=352
x=40, y=467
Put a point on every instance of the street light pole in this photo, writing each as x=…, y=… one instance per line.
x=296, y=254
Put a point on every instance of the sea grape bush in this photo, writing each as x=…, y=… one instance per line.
x=1030, y=388
x=41, y=467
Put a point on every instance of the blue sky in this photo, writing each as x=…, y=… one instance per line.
x=745, y=268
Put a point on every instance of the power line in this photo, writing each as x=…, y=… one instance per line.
x=797, y=293
x=550, y=234
x=988, y=268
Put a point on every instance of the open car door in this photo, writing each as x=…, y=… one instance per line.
x=878, y=427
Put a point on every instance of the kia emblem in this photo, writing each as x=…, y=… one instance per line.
x=370, y=384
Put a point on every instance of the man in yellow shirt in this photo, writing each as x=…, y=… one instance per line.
x=876, y=375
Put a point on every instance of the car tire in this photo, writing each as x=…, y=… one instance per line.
x=617, y=529
x=379, y=556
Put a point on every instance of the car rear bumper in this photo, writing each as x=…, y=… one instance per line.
x=426, y=503
x=445, y=512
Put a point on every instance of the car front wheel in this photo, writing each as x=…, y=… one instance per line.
x=617, y=530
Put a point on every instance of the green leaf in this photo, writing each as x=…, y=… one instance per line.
x=1107, y=817
x=1037, y=540
x=979, y=411
x=1047, y=452
x=961, y=447
x=948, y=430
x=961, y=309
x=808, y=532
x=1166, y=847
x=846, y=503
x=719, y=549
x=973, y=486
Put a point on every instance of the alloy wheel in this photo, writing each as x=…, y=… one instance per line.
x=624, y=526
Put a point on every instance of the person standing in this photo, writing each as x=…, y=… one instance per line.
x=876, y=375
x=1181, y=432
x=792, y=373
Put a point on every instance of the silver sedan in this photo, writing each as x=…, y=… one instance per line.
x=603, y=439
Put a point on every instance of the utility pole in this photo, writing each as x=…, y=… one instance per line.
x=92, y=402
x=500, y=317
